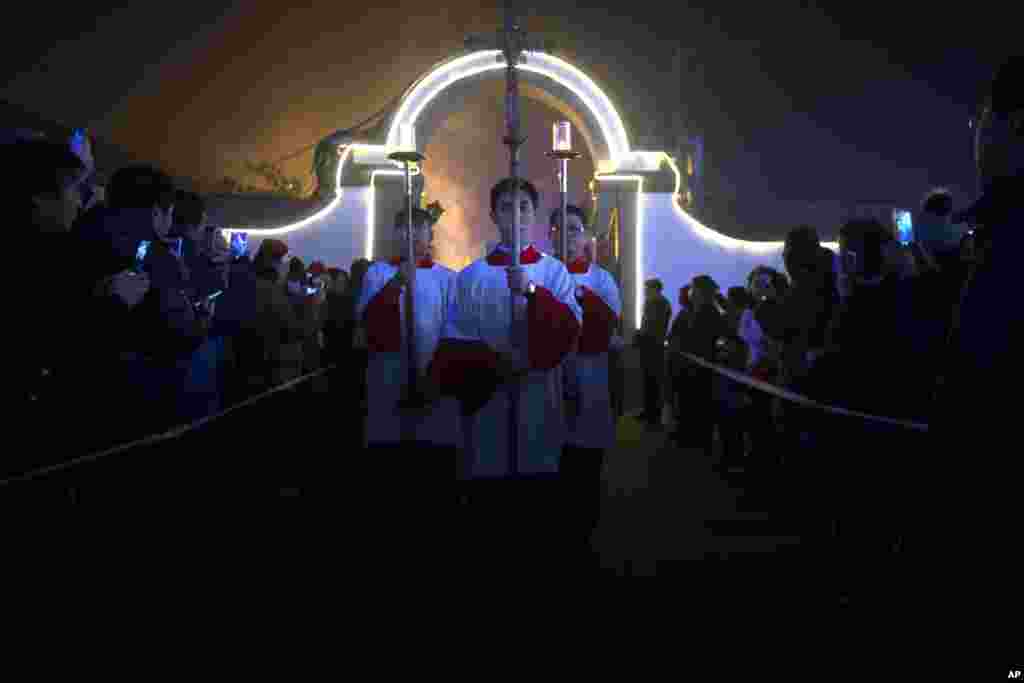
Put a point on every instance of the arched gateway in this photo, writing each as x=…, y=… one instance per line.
x=657, y=237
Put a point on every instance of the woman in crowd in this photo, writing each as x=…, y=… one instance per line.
x=766, y=286
x=275, y=323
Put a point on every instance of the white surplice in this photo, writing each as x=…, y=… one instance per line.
x=593, y=424
x=481, y=311
x=387, y=372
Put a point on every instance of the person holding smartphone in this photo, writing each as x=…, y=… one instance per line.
x=203, y=249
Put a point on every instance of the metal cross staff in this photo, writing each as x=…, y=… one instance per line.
x=513, y=41
x=514, y=140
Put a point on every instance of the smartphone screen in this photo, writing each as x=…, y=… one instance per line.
x=239, y=243
x=904, y=226
x=312, y=286
x=140, y=254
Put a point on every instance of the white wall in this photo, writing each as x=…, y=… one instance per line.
x=676, y=248
x=337, y=239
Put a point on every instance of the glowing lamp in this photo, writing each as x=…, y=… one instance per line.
x=561, y=137
x=406, y=138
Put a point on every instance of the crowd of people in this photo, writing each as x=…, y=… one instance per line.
x=834, y=335
x=878, y=328
x=141, y=317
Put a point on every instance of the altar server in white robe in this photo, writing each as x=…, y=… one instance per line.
x=477, y=361
x=408, y=441
x=589, y=417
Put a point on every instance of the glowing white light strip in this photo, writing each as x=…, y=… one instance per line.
x=717, y=237
x=267, y=232
x=371, y=214
x=563, y=73
x=568, y=76
x=758, y=248
x=371, y=202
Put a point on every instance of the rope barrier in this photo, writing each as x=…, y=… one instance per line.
x=769, y=388
x=180, y=430
x=172, y=433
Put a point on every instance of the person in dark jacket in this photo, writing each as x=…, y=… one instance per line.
x=338, y=323
x=976, y=417
x=882, y=357
x=360, y=357
x=707, y=326
x=650, y=340
x=236, y=314
x=205, y=254
x=205, y=251
x=807, y=308
x=58, y=320
x=677, y=368
x=150, y=357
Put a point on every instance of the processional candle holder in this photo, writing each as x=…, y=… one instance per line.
x=408, y=157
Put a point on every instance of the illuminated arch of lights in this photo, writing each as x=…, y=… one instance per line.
x=622, y=159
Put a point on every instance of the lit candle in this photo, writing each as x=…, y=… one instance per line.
x=562, y=136
x=406, y=138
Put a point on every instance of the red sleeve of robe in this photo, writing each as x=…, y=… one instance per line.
x=552, y=330
x=383, y=321
x=458, y=364
x=467, y=370
x=599, y=321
